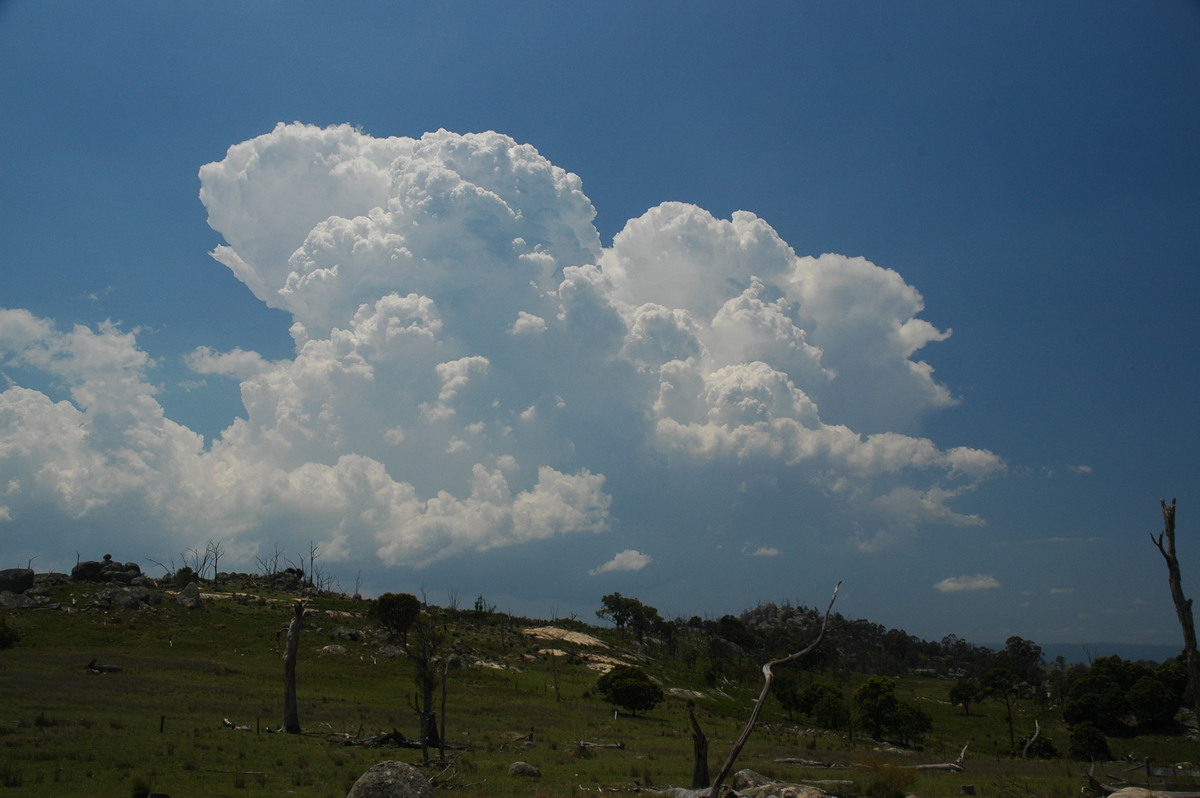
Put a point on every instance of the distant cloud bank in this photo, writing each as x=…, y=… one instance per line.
x=956, y=584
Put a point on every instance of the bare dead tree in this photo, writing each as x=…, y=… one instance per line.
x=214, y=550
x=196, y=560
x=768, y=680
x=313, y=550
x=291, y=716
x=1165, y=543
x=268, y=565
x=699, y=750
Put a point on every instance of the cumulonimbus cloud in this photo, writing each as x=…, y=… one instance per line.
x=472, y=366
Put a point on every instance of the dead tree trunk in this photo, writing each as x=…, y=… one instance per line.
x=291, y=717
x=768, y=679
x=1183, y=606
x=700, y=749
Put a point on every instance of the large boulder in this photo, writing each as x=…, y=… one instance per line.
x=87, y=571
x=524, y=769
x=190, y=596
x=16, y=580
x=391, y=779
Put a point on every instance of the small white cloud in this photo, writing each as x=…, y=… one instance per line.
x=955, y=584
x=239, y=363
x=527, y=324
x=1061, y=591
x=1080, y=469
x=628, y=560
x=766, y=551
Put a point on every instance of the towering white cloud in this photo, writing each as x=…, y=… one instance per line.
x=474, y=370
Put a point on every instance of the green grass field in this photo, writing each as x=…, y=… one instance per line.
x=159, y=724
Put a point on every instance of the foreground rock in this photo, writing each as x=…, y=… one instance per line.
x=391, y=779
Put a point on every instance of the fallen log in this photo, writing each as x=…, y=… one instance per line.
x=586, y=744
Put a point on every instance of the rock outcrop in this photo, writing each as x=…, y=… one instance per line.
x=16, y=580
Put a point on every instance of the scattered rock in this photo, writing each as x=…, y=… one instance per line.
x=16, y=580
x=346, y=633
x=333, y=649
x=391, y=779
x=189, y=597
x=127, y=598
x=524, y=769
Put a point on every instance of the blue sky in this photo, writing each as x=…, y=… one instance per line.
x=738, y=300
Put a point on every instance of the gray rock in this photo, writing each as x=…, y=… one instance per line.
x=524, y=769
x=391, y=779
x=127, y=598
x=190, y=597
x=333, y=648
x=16, y=580
x=15, y=601
x=346, y=633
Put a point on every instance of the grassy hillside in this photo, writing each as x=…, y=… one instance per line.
x=159, y=723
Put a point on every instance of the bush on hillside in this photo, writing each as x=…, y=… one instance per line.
x=9, y=636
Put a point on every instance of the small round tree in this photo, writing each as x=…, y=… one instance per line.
x=630, y=688
x=396, y=612
x=1087, y=743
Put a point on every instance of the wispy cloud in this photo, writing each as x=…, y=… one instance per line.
x=765, y=551
x=956, y=584
x=1080, y=469
x=628, y=560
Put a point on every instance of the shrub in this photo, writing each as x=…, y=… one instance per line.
x=1043, y=748
x=1088, y=743
x=889, y=781
x=628, y=687
x=9, y=636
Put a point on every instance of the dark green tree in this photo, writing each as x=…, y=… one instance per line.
x=877, y=705
x=618, y=609
x=912, y=723
x=1152, y=702
x=629, y=687
x=396, y=612
x=1007, y=686
x=827, y=706
x=964, y=693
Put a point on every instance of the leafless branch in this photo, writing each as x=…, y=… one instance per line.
x=768, y=679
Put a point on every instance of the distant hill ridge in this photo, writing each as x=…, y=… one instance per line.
x=1081, y=653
